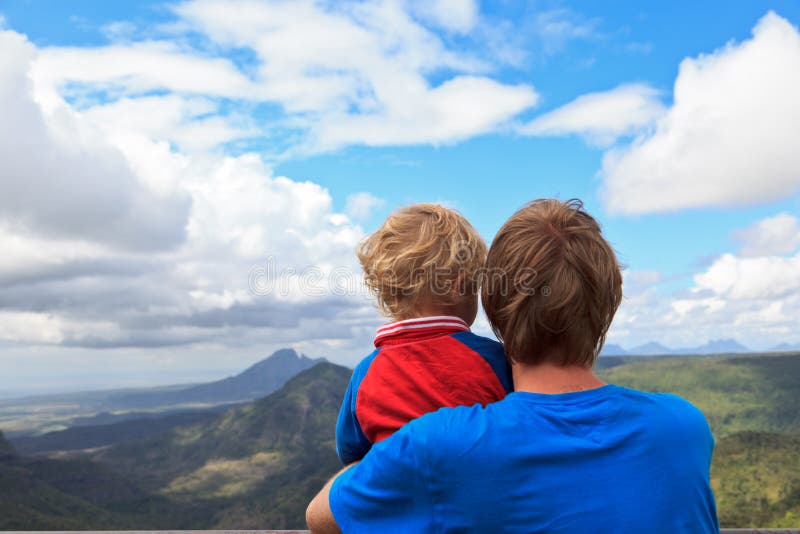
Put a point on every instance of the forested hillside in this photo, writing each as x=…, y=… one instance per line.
x=252, y=467
x=257, y=465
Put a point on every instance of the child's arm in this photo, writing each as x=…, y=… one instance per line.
x=351, y=443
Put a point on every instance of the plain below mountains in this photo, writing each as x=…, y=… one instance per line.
x=36, y=415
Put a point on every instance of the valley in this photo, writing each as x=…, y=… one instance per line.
x=257, y=463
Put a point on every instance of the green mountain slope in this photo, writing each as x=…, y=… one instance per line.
x=27, y=502
x=756, y=480
x=255, y=465
x=92, y=436
x=6, y=450
x=736, y=393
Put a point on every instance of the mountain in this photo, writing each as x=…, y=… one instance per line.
x=45, y=413
x=29, y=502
x=610, y=349
x=256, y=466
x=256, y=381
x=717, y=346
x=252, y=466
x=650, y=349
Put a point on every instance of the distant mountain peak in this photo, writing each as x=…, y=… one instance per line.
x=288, y=353
x=650, y=349
x=653, y=348
x=282, y=358
x=722, y=345
x=612, y=349
x=258, y=380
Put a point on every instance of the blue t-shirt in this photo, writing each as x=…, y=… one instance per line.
x=610, y=459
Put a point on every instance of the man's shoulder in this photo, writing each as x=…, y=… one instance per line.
x=669, y=402
x=445, y=431
x=668, y=412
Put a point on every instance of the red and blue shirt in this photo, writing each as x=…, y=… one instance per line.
x=418, y=366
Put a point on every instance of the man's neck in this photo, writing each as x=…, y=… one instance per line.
x=549, y=378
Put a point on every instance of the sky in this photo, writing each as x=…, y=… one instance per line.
x=183, y=184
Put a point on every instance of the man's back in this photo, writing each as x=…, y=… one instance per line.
x=607, y=459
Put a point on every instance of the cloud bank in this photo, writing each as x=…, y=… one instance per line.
x=729, y=138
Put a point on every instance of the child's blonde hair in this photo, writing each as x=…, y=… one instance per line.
x=421, y=251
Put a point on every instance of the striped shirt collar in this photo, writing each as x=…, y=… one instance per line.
x=418, y=328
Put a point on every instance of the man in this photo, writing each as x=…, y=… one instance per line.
x=563, y=453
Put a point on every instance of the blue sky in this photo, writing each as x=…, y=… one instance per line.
x=187, y=142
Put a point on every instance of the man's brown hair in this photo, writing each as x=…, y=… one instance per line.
x=552, y=284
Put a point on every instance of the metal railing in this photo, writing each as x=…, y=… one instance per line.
x=723, y=531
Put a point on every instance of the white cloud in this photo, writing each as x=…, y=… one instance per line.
x=555, y=28
x=728, y=139
x=752, y=279
x=344, y=73
x=459, y=16
x=359, y=206
x=91, y=261
x=127, y=227
x=752, y=296
x=777, y=235
x=457, y=109
x=602, y=117
x=755, y=300
x=191, y=123
x=139, y=67
x=60, y=177
x=120, y=30
x=636, y=282
x=28, y=327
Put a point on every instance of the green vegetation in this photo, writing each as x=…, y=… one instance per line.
x=257, y=465
x=251, y=467
x=93, y=436
x=756, y=478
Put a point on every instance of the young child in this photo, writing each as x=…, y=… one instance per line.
x=423, y=265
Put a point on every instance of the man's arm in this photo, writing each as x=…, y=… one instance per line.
x=385, y=492
x=319, y=517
